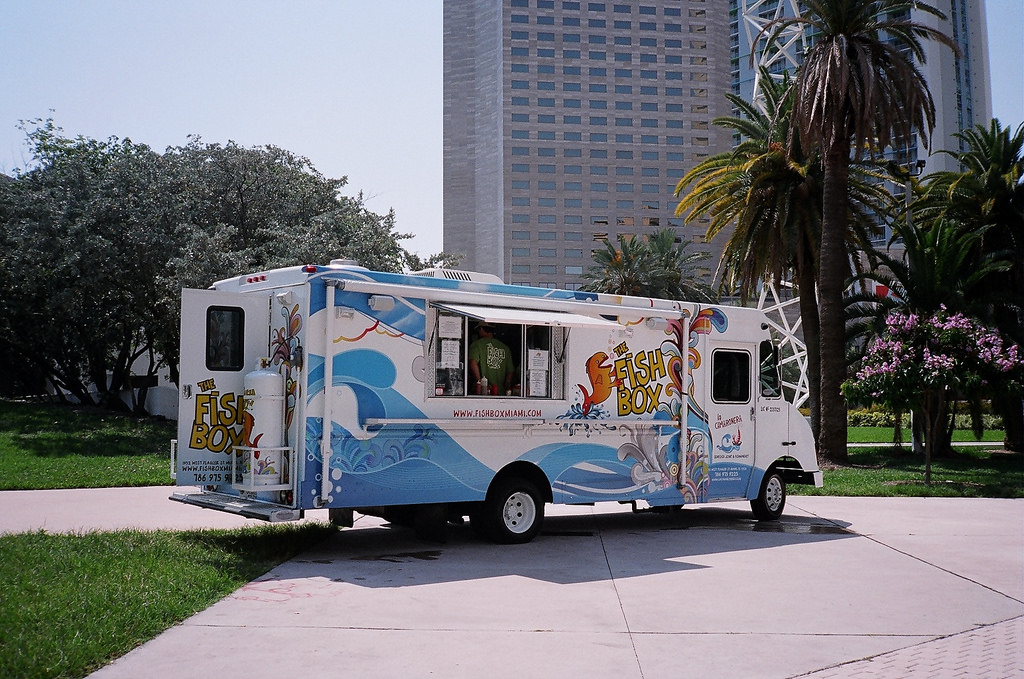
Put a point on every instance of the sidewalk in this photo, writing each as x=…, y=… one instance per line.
x=147, y=508
x=841, y=587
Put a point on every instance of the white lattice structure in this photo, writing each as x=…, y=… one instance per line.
x=792, y=349
x=754, y=16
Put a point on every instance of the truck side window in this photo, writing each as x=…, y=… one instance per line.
x=225, y=338
x=770, y=382
x=730, y=376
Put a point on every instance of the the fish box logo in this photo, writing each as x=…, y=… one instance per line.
x=638, y=380
x=217, y=425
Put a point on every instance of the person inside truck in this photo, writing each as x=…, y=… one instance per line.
x=490, y=359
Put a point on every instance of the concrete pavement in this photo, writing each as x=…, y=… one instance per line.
x=72, y=511
x=841, y=587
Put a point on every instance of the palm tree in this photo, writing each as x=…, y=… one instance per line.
x=858, y=90
x=937, y=269
x=657, y=266
x=771, y=194
x=988, y=195
x=678, y=267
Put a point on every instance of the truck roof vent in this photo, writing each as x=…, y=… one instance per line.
x=344, y=262
x=455, y=274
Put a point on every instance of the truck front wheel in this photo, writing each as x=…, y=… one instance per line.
x=513, y=511
x=771, y=500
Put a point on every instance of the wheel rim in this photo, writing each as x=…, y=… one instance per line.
x=773, y=494
x=519, y=512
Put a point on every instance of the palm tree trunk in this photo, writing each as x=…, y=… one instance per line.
x=812, y=338
x=832, y=274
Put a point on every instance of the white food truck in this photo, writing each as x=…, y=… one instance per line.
x=348, y=389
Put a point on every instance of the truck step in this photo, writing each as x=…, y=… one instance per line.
x=250, y=509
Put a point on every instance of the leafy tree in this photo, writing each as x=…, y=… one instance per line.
x=925, y=360
x=442, y=260
x=99, y=237
x=858, y=90
x=86, y=232
x=654, y=267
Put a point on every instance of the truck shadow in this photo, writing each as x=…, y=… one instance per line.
x=586, y=547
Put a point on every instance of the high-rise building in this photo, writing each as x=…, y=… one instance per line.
x=568, y=123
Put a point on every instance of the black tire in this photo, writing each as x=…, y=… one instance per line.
x=512, y=513
x=771, y=500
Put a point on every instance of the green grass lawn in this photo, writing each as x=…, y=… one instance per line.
x=52, y=446
x=897, y=472
x=72, y=603
x=884, y=435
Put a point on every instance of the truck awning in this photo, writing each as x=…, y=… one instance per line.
x=491, y=314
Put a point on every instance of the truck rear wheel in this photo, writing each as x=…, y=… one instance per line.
x=513, y=511
x=771, y=500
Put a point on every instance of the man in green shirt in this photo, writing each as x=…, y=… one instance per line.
x=490, y=358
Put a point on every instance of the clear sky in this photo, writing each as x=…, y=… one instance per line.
x=354, y=85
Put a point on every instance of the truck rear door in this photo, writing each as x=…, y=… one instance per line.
x=223, y=336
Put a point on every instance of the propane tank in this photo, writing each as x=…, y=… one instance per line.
x=263, y=422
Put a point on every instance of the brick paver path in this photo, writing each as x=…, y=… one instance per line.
x=990, y=652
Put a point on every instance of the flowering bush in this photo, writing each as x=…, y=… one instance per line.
x=942, y=352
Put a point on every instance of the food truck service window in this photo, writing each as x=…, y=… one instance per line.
x=225, y=338
x=495, y=354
